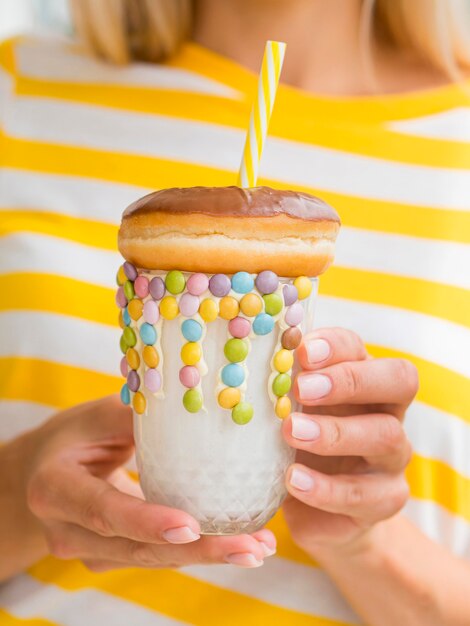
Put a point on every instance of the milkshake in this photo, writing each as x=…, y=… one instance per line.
x=216, y=291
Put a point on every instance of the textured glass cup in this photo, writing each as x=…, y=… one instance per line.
x=230, y=477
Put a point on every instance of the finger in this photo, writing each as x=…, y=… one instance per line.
x=267, y=541
x=379, y=438
x=327, y=346
x=369, y=497
x=375, y=381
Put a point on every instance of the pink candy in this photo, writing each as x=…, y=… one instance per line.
x=189, y=376
x=124, y=367
x=152, y=380
x=189, y=305
x=151, y=312
x=197, y=284
x=294, y=314
x=239, y=327
x=141, y=286
x=121, y=299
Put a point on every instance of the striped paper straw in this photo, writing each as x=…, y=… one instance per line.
x=261, y=112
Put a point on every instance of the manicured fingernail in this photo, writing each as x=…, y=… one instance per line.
x=301, y=480
x=304, y=428
x=267, y=551
x=183, y=534
x=313, y=386
x=243, y=559
x=317, y=350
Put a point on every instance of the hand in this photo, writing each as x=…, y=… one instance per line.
x=90, y=509
x=349, y=473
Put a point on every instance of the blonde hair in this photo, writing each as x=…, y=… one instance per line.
x=152, y=30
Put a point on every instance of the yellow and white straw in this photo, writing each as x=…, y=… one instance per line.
x=261, y=112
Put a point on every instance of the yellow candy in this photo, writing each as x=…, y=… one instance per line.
x=228, y=308
x=304, y=286
x=208, y=310
x=169, y=308
x=151, y=358
x=121, y=320
x=283, y=407
x=139, y=403
x=251, y=304
x=229, y=397
x=283, y=360
x=134, y=308
x=133, y=358
x=121, y=276
x=191, y=353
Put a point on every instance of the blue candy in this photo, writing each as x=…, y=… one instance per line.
x=192, y=330
x=242, y=282
x=233, y=375
x=263, y=324
x=148, y=334
x=125, y=395
x=126, y=317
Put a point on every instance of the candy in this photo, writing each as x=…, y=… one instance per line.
x=291, y=338
x=197, y=284
x=282, y=384
x=192, y=330
x=233, y=375
x=239, y=327
x=192, y=400
x=129, y=337
x=251, y=304
x=175, y=282
x=219, y=285
x=130, y=270
x=135, y=309
x=283, y=407
x=133, y=358
x=126, y=318
x=191, y=353
x=242, y=282
x=190, y=376
x=150, y=356
x=129, y=289
x=157, y=288
x=125, y=395
x=229, y=397
x=304, y=286
x=169, y=308
x=228, y=308
x=283, y=360
x=208, y=310
x=263, y=324
x=290, y=294
x=141, y=286
x=152, y=380
x=294, y=314
x=121, y=299
x=189, y=305
x=242, y=413
x=139, y=403
x=151, y=312
x=123, y=367
x=236, y=350
x=148, y=334
x=266, y=282
x=273, y=303
x=123, y=344
x=121, y=276
x=121, y=321
x=133, y=380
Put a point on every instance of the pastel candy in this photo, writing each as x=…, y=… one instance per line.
x=242, y=282
x=126, y=318
x=294, y=314
x=150, y=356
x=282, y=384
x=121, y=319
x=266, y=282
x=192, y=400
x=151, y=312
x=123, y=366
x=229, y=397
x=129, y=337
x=139, y=403
x=273, y=303
x=208, y=310
x=191, y=353
x=141, y=286
x=133, y=380
x=242, y=413
x=134, y=308
x=130, y=270
x=153, y=380
x=197, y=284
x=121, y=276
x=263, y=324
x=121, y=299
x=129, y=289
x=188, y=304
x=236, y=350
x=175, y=282
x=291, y=338
x=304, y=286
x=251, y=304
x=123, y=344
x=157, y=288
x=283, y=360
x=283, y=407
x=228, y=308
x=233, y=375
x=239, y=327
x=169, y=308
x=133, y=358
x=148, y=334
x=219, y=285
x=189, y=376
x=192, y=330
x=125, y=395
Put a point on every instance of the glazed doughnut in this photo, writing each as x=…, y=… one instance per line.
x=227, y=229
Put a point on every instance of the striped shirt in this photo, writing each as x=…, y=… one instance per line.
x=80, y=140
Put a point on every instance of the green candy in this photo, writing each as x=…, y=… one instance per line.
x=236, y=350
x=282, y=384
x=123, y=344
x=175, y=282
x=273, y=303
x=128, y=290
x=192, y=400
x=129, y=337
x=242, y=413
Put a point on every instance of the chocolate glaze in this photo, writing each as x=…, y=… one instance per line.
x=234, y=202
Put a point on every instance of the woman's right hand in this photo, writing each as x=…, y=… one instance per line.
x=89, y=507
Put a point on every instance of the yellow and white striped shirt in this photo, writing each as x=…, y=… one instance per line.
x=80, y=140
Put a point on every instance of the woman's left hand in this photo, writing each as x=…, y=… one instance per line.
x=349, y=471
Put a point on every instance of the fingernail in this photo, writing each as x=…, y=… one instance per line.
x=313, y=386
x=317, y=350
x=304, y=428
x=243, y=559
x=183, y=534
x=301, y=480
x=267, y=551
